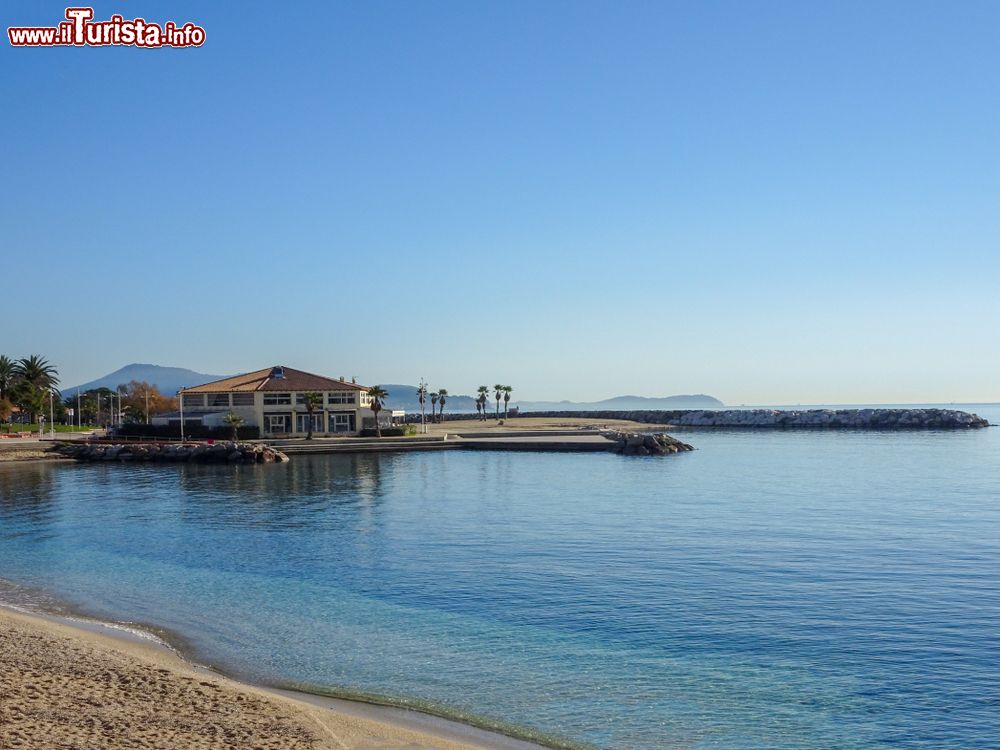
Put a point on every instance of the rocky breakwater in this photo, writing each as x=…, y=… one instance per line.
x=203, y=453
x=857, y=419
x=867, y=419
x=648, y=444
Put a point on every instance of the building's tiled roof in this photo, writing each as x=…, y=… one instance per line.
x=264, y=380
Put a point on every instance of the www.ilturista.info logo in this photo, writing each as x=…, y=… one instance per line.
x=80, y=30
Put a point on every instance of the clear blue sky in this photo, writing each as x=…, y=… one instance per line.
x=770, y=202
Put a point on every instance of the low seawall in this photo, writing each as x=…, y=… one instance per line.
x=203, y=453
x=851, y=419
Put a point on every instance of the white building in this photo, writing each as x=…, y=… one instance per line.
x=274, y=400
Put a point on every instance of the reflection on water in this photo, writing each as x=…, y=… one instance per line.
x=27, y=503
x=787, y=590
x=295, y=494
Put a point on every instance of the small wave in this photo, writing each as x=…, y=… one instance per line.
x=436, y=710
x=39, y=603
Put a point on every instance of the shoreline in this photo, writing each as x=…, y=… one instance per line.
x=573, y=430
x=309, y=719
x=351, y=720
x=29, y=452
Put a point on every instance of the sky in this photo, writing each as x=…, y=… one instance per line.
x=768, y=202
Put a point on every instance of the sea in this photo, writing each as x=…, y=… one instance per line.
x=772, y=589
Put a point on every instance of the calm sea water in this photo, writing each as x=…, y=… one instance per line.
x=771, y=590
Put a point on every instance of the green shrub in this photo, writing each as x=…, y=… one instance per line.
x=193, y=431
x=390, y=431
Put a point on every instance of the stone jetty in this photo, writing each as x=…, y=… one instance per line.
x=851, y=419
x=646, y=444
x=203, y=453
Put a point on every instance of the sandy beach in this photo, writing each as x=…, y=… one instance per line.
x=68, y=687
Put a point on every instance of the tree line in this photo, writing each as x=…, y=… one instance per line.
x=499, y=392
x=27, y=384
x=439, y=398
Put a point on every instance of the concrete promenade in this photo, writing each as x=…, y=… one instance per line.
x=556, y=441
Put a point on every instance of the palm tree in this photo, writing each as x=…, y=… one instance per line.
x=434, y=403
x=35, y=378
x=498, y=392
x=484, y=394
x=37, y=371
x=235, y=421
x=422, y=396
x=8, y=374
x=442, y=396
x=312, y=401
x=377, y=394
x=507, y=390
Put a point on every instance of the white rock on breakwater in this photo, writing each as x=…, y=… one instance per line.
x=858, y=419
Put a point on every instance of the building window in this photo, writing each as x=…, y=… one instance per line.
x=341, y=397
x=277, y=399
x=276, y=423
x=242, y=399
x=302, y=422
x=194, y=401
x=342, y=422
x=300, y=398
x=218, y=399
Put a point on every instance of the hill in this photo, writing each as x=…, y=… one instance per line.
x=405, y=397
x=168, y=380
x=401, y=396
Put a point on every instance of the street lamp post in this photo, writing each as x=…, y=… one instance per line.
x=422, y=396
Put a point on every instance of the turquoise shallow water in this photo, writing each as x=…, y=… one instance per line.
x=770, y=590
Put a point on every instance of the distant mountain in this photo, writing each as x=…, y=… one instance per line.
x=626, y=403
x=171, y=379
x=405, y=397
x=168, y=380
